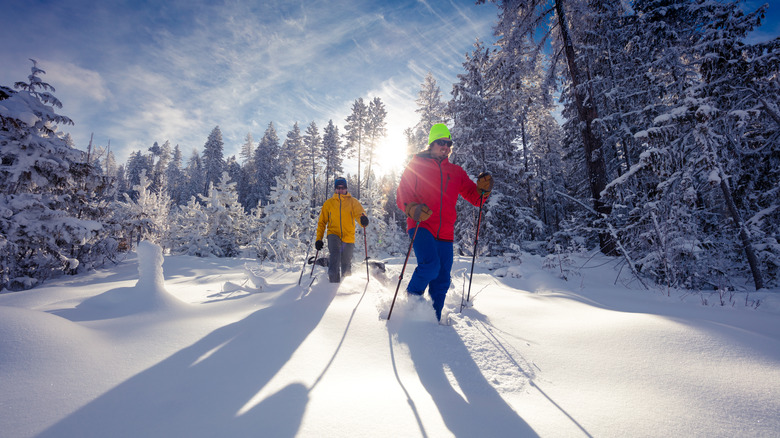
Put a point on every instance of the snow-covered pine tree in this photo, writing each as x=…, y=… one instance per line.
x=292, y=152
x=246, y=180
x=227, y=221
x=373, y=202
x=376, y=130
x=268, y=166
x=331, y=156
x=312, y=151
x=176, y=179
x=432, y=109
x=109, y=164
x=526, y=21
x=697, y=156
x=144, y=216
x=247, y=149
x=191, y=231
x=50, y=194
x=137, y=164
x=357, y=123
x=196, y=175
x=287, y=222
x=161, y=157
x=213, y=160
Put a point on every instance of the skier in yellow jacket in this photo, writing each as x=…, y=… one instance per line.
x=339, y=214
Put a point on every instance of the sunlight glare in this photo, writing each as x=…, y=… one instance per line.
x=391, y=152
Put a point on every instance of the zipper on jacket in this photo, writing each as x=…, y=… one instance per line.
x=441, y=198
x=341, y=225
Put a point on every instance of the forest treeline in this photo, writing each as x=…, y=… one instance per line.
x=647, y=130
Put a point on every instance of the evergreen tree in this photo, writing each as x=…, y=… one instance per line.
x=176, y=179
x=227, y=221
x=286, y=223
x=376, y=130
x=161, y=157
x=137, y=164
x=268, y=167
x=247, y=177
x=522, y=21
x=144, y=216
x=196, y=175
x=292, y=154
x=431, y=109
x=357, y=124
x=312, y=151
x=191, y=235
x=247, y=149
x=52, y=198
x=331, y=156
x=213, y=161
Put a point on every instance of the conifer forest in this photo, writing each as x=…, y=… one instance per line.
x=651, y=135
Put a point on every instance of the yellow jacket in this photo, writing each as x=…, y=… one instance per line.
x=339, y=213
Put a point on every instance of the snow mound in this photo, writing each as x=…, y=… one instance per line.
x=148, y=295
x=509, y=271
x=255, y=276
x=30, y=339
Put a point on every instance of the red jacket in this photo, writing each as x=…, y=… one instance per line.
x=437, y=185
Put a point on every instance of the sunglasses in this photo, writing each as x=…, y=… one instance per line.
x=341, y=187
x=447, y=143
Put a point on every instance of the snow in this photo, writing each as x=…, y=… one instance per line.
x=233, y=347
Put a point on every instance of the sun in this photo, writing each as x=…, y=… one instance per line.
x=391, y=153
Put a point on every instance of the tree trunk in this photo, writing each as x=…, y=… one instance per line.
x=594, y=158
x=744, y=235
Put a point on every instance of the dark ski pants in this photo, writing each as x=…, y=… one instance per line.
x=434, y=263
x=340, y=259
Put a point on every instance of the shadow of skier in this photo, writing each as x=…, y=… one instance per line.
x=480, y=411
x=200, y=390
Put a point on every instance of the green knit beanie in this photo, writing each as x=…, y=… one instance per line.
x=438, y=131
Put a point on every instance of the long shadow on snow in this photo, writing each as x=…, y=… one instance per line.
x=199, y=391
x=483, y=412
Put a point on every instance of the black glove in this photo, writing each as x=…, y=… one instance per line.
x=364, y=221
x=318, y=245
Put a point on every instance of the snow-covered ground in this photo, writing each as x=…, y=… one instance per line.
x=230, y=347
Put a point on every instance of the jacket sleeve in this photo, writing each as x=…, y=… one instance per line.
x=322, y=222
x=405, y=192
x=468, y=189
x=357, y=210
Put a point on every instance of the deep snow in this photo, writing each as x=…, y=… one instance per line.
x=230, y=347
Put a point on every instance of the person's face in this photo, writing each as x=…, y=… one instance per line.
x=440, y=149
x=341, y=190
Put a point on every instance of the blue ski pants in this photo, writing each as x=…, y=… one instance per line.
x=434, y=263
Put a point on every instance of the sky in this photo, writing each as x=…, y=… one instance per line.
x=138, y=72
x=135, y=72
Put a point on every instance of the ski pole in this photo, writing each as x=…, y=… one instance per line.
x=417, y=227
x=314, y=264
x=303, y=269
x=474, y=255
x=365, y=244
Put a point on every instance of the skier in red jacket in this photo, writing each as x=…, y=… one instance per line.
x=427, y=193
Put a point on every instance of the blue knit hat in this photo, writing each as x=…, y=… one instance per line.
x=339, y=182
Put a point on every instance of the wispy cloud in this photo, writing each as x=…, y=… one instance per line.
x=172, y=71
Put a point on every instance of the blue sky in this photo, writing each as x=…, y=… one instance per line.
x=139, y=71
